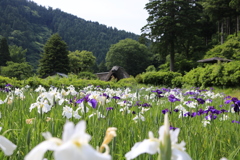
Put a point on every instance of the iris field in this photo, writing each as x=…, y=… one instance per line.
x=209, y=121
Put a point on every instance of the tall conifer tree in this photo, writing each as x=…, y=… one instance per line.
x=170, y=24
x=4, y=52
x=55, y=56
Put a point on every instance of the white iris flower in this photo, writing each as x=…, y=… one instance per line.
x=152, y=145
x=73, y=146
x=7, y=146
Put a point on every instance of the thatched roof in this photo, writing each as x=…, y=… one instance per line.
x=116, y=72
x=214, y=60
x=54, y=74
x=101, y=75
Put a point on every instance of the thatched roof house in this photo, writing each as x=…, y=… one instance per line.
x=54, y=74
x=214, y=60
x=116, y=72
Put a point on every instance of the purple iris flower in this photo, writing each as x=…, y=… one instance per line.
x=223, y=110
x=166, y=89
x=236, y=108
x=238, y=103
x=165, y=111
x=172, y=128
x=109, y=108
x=193, y=114
x=187, y=114
x=227, y=97
x=93, y=102
x=158, y=91
x=138, y=103
x=200, y=112
x=116, y=97
x=146, y=105
x=86, y=99
x=8, y=85
x=235, y=122
x=210, y=117
x=209, y=100
x=200, y=100
x=105, y=95
x=234, y=99
x=228, y=101
x=176, y=110
x=172, y=98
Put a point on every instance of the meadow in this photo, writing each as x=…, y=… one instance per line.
x=208, y=119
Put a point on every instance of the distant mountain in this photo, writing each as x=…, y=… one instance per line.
x=25, y=23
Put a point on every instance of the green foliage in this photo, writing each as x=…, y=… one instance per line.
x=17, y=54
x=81, y=61
x=25, y=23
x=192, y=77
x=221, y=75
x=177, y=81
x=128, y=82
x=87, y=75
x=63, y=82
x=17, y=70
x=129, y=54
x=55, y=56
x=13, y=81
x=230, y=49
x=4, y=52
x=151, y=68
x=172, y=28
x=159, y=78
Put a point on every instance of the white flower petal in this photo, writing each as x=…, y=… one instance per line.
x=77, y=151
x=174, y=135
x=7, y=146
x=38, y=152
x=146, y=146
x=180, y=155
x=67, y=131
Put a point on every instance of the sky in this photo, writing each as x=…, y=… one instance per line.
x=128, y=15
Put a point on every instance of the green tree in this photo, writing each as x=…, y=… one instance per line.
x=102, y=67
x=170, y=24
x=55, y=56
x=129, y=54
x=81, y=61
x=4, y=52
x=220, y=12
x=18, y=70
x=17, y=54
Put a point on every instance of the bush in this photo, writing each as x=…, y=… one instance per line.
x=127, y=82
x=87, y=75
x=222, y=75
x=159, y=78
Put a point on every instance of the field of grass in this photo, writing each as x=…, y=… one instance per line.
x=208, y=119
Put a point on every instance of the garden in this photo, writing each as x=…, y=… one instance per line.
x=142, y=122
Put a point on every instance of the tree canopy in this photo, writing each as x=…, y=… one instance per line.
x=25, y=23
x=55, y=56
x=81, y=61
x=133, y=56
x=4, y=52
x=172, y=24
x=17, y=70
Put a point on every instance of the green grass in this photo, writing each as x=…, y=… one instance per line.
x=217, y=140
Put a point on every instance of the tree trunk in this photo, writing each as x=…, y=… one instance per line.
x=222, y=33
x=237, y=26
x=172, y=55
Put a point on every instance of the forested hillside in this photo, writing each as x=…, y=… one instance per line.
x=26, y=24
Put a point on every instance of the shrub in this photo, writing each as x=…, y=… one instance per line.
x=160, y=78
x=87, y=75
